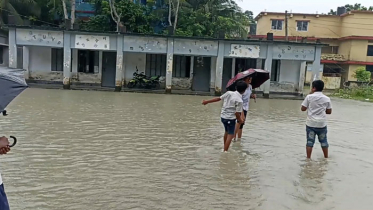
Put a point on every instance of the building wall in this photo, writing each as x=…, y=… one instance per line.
x=322, y=26
x=288, y=78
x=40, y=66
x=131, y=60
x=5, y=56
x=357, y=24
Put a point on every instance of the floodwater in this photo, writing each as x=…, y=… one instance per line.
x=101, y=150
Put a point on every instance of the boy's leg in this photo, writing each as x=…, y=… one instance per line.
x=241, y=126
x=323, y=139
x=4, y=205
x=231, y=125
x=236, y=130
x=225, y=137
x=311, y=135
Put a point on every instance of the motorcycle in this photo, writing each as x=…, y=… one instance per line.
x=139, y=79
x=142, y=81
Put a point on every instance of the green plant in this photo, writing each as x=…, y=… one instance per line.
x=362, y=75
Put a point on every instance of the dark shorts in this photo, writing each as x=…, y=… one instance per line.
x=4, y=205
x=245, y=113
x=229, y=125
x=321, y=134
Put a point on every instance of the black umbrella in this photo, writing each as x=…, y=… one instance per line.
x=12, y=83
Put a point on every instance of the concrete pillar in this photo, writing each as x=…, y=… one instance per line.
x=212, y=74
x=12, y=48
x=268, y=67
x=66, y=60
x=169, y=65
x=219, y=69
x=302, y=74
x=100, y=53
x=119, y=67
x=74, y=64
x=233, y=67
x=26, y=62
x=191, y=67
x=316, y=65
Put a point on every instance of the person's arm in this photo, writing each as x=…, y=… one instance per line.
x=329, y=108
x=239, y=111
x=305, y=104
x=205, y=102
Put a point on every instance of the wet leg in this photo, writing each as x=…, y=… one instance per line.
x=225, y=137
x=325, y=151
x=309, y=152
x=228, y=142
x=236, y=131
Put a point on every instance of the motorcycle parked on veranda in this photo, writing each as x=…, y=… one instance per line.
x=140, y=80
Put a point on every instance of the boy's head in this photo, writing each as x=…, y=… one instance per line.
x=317, y=86
x=241, y=87
x=248, y=80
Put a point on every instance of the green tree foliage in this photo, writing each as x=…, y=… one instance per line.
x=362, y=75
x=19, y=9
x=352, y=7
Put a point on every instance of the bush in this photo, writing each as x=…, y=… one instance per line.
x=362, y=75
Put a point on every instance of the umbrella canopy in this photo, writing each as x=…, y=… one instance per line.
x=259, y=76
x=12, y=83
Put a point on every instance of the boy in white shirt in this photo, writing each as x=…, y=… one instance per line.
x=231, y=111
x=317, y=106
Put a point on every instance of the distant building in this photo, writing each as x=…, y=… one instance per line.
x=348, y=34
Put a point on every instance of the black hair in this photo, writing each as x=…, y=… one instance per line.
x=241, y=86
x=318, y=85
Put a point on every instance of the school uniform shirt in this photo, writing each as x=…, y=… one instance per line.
x=317, y=103
x=232, y=104
x=1, y=180
x=246, y=98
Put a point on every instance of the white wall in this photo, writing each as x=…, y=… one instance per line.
x=289, y=71
x=131, y=60
x=40, y=59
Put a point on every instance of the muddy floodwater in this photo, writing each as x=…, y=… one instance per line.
x=101, y=150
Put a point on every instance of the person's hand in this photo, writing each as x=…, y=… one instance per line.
x=253, y=96
x=204, y=102
x=4, y=150
x=4, y=142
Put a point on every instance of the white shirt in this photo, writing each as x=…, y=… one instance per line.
x=316, y=103
x=1, y=180
x=232, y=104
x=246, y=98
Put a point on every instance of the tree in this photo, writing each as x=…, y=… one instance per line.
x=362, y=75
x=13, y=7
x=352, y=7
x=72, y=13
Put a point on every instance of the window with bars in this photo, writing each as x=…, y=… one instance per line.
x=302, y=25
x=277, y=25
x=181, y=68
x=155, y=65
x=57, y=59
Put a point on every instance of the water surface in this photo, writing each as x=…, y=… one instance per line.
x=101, y=150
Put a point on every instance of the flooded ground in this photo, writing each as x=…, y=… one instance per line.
x=101, y=150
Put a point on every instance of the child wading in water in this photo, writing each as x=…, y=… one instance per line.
x=246, y=100
x=231, y=111
x=317, y=106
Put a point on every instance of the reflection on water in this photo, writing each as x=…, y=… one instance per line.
x=101, y=150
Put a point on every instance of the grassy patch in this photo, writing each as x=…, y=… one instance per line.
x=364, y=93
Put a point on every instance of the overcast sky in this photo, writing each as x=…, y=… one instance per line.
x=297, y=6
